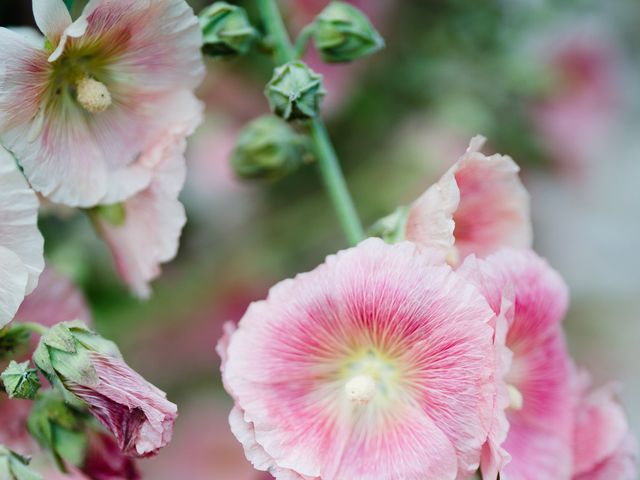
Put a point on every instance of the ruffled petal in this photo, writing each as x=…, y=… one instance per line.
x=539, y=434
x=154, y=218
x=18, y=220
x=478, y=206
x=13, y=281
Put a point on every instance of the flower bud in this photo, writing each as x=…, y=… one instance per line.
x=295, y=91
x=58, y=427
x=342, y=33
x=12, y=340
x=392, y=227
x=268, y=148
x=226, y=30
x=20, y=381
x=79, y=361
x=15, y=467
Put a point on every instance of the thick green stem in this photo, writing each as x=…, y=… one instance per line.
x=335, y=183
x=330, y=171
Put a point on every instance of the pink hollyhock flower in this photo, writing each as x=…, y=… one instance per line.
x=21, y=244
x=603, y=446
x=478, y=206
x=147, y=230
x=375, y=365
x=538, y=381
x=105, y=461
x=78, y=111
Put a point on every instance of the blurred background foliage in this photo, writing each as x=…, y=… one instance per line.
x=553, y=84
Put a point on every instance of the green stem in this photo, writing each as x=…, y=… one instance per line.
x=330, y=171
x=276, y=30
x=33, y=327
x=302, y=41
x=335, y=183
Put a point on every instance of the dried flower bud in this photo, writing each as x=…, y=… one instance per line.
x=59, y=428
x=342, y=33
x=20, y=381
x=392, y=227
x=295, y=91
x=15, y=467
x=269, y=148
x=226, y=30
x=91, y=368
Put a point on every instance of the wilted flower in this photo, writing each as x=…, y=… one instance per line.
x=21, y=244
x=137, y=413
x=78, y=110
x=376, y=365
x=539, y=384
x=478, y=206
x=295, y=91
x=603, y=446
x=144, y=231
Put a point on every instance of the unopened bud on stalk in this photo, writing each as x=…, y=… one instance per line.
x=226, y=30
x=15, y=467
x=295, y=91
x=20, y=381
x=342, y=33
x=269, y=148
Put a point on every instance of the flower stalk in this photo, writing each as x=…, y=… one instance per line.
x=328, y=163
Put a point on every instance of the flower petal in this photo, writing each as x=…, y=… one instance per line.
x=13, y=281
x=18, y=220
x=478, y=206
x=52, y=18
x=154, y=218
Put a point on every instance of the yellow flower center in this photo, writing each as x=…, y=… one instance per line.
x=516, y=400
x=361, y=389
x=93, y=95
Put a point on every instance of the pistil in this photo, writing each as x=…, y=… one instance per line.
x=93, y=95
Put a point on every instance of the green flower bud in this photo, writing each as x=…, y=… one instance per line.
x=20, y=381
x=269, y=148
x=342, y=33
x=15, y=467
x=295, y=91
x=226, y=30
x=392, y=227
x=12, y=338
x=59, y=428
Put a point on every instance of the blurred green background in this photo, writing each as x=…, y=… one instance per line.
x=553, y=84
